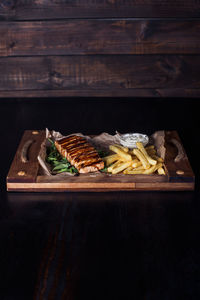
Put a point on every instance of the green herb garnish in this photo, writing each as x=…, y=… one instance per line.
x=103, y=153
x=104, y=170
x=58, y=163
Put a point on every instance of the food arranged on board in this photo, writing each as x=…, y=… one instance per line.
x=133, y=155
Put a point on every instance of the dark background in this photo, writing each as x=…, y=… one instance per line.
x=124, y=245
x=139, y=245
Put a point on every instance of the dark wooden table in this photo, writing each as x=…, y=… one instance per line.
x=99, y=245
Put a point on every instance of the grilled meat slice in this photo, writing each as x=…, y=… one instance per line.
x=80, y=154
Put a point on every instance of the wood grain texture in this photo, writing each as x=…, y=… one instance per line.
x=75, y=37
x=130, y=93
x=164, y=186
x=100, y=72
x=99, y=246
x=26, y=170
x=97, y=187
x=43, y=9
x=175, y=167
x=118, y=239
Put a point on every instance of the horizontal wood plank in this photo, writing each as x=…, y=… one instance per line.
x=64, y=187
x=75, y=37
x=96, y=73
x=165, y=186
x=42, y=9
x=155, y=93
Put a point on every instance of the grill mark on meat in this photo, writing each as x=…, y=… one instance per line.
x=80, y=153
x=74, y=141
x=72, y=144
x=82, y=149
x=81, y=156
x=75, y=148
x=90, y=163
x=86, y=156
x=70, y=139
x=80, y=161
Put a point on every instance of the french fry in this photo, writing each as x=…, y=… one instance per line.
x=161, y=171
x=113, y=166
x=125, y=149
x=136, y=164
x=132, y=155
x=144, y=152
x=134, y=172
x=127, y=169
x=110, y=159
x=121, y=152
x=142, y=158
x=151, y=151
x=135, y=159
x=121, y=167
x=159, y=159
x=152, y=169
x=150, y=147
x=139, y=168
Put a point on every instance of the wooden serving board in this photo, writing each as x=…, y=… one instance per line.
x=25, y=174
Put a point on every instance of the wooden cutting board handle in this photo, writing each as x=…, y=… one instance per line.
x=25, y=165
x=176, y=160
x=181, y=153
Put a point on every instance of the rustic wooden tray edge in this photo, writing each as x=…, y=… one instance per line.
x=23, y=174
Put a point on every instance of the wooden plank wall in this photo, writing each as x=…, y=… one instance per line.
x=146, y=48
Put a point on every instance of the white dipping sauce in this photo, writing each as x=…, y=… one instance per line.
x=130, y=139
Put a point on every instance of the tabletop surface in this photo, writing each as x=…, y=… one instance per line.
x=124, y=245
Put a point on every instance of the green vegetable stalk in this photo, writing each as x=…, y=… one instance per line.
x=58, y=163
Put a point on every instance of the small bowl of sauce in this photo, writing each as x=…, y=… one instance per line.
x=130, y=139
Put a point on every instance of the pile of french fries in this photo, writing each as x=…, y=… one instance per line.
x=140, y=160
